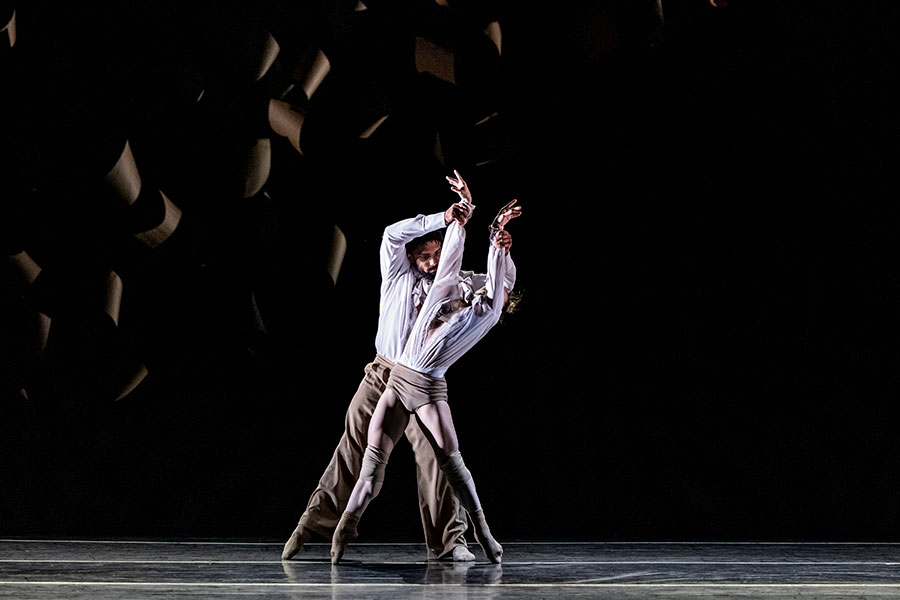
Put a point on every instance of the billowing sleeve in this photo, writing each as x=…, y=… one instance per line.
x=446, y=280
x=498, y=269
x=479, y=280
x=509, y=280
x=396, y=236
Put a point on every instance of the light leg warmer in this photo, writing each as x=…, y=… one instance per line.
x=373, y=464
x=371, y=478
x=460, y=479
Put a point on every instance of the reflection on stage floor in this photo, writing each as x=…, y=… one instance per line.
x=101, y=569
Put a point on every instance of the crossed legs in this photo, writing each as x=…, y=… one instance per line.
x=443, y=519
x=437, y=424
x=388, y=422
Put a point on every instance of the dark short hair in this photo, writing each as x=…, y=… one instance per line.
x=432, y=236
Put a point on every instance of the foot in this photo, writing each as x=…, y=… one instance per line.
x=462, y=554
x=295, y=543
x=492, y=549
x=344, y=533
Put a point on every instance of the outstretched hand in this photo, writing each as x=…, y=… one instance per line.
x=459, y=186
x=460, y=211
x=506, y=214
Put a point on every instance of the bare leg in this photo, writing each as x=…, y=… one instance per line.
x=386, y=427
x=437, y=423
x=444, y=519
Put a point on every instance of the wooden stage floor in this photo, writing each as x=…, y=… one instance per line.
x=101, y=569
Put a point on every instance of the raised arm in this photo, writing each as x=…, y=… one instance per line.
x=501, y=267
x=509, y=281
x=498, y=280
x=506, y=214
x=459, y=185
x=446, y=280
x=479, y=280
x=396, y=236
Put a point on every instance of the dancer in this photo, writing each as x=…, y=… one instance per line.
x=408, y=265
x=447, y=326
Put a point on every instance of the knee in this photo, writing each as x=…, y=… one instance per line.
x=455, y=469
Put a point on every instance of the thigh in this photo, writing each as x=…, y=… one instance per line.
x=437, y=424
x=388, y=421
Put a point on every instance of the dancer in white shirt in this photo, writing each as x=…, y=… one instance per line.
x=409, y=256
x=449, y=323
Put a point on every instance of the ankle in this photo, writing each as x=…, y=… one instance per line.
x=348, y=523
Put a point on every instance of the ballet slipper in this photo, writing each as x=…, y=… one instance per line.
x=492, y=549
x=462, y=554
x=344, y=533
x=300, y=536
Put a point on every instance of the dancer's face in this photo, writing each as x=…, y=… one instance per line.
x=426, y=257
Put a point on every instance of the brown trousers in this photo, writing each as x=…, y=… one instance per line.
x=443, y=518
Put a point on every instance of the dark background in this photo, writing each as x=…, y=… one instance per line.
x=708, y=342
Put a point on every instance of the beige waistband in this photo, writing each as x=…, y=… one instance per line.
x=379, y=359
x=415, y=389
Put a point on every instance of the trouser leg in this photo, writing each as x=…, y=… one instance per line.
x=443, y=517
x=328, y=501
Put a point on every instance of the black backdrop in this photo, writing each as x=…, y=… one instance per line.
x=708, y=342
